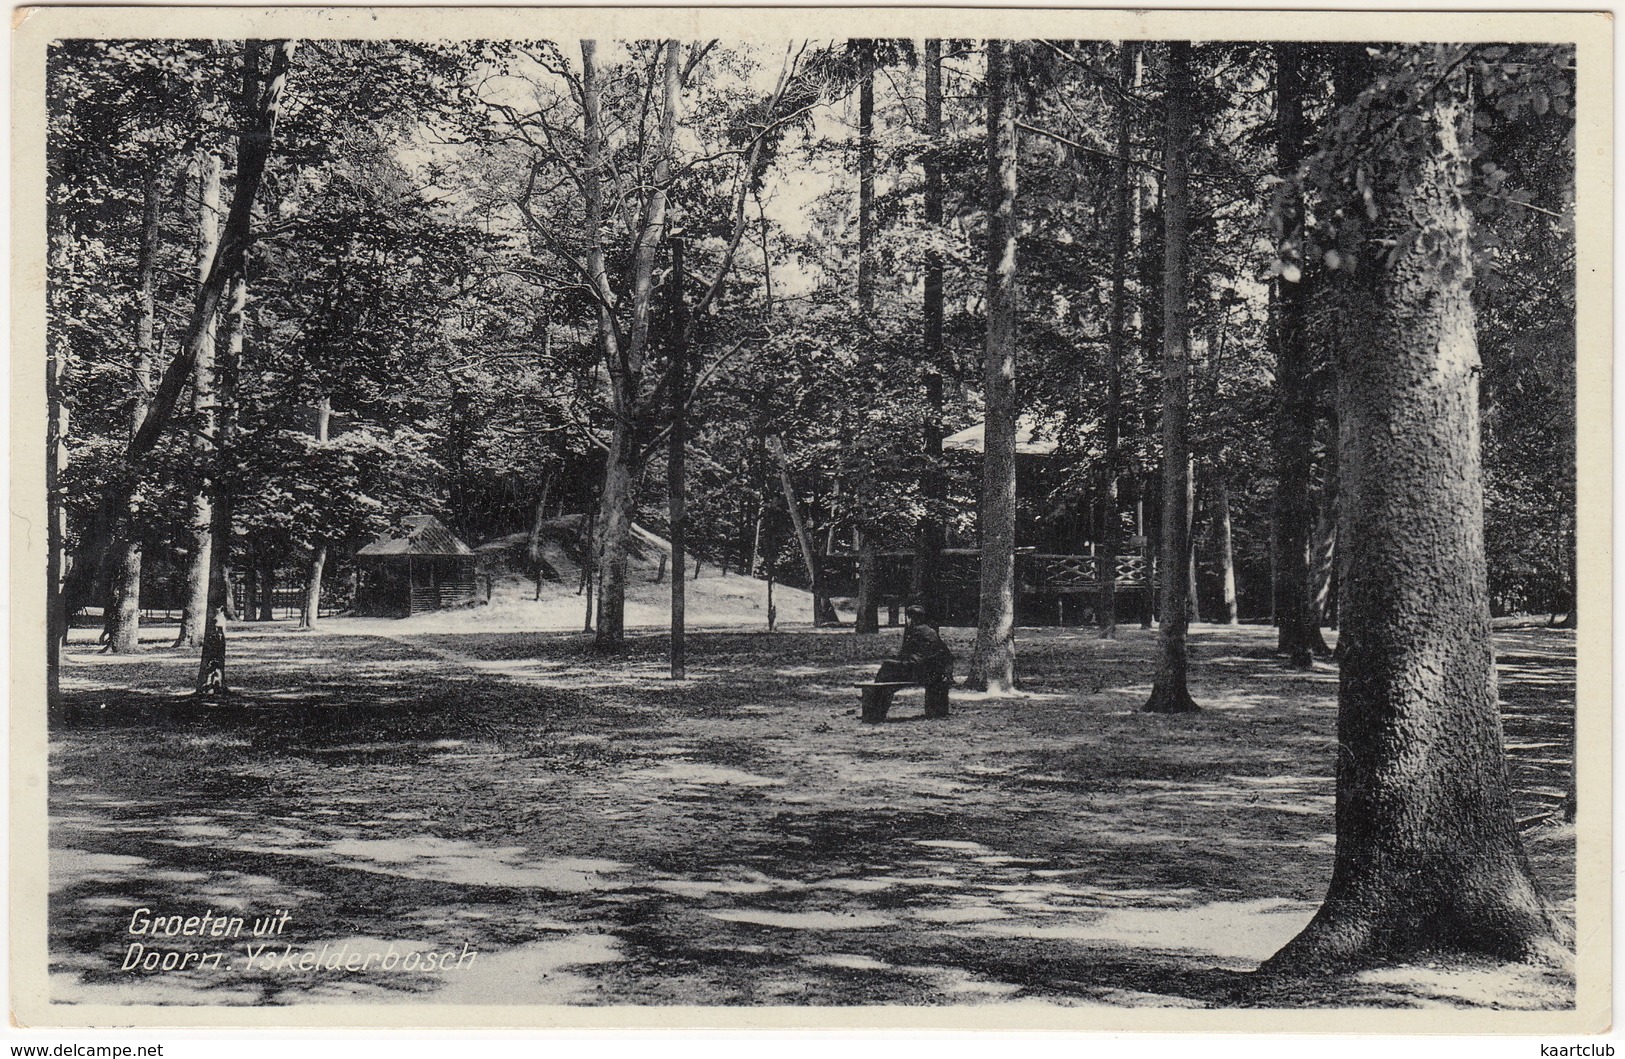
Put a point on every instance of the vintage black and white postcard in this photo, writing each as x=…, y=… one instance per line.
x=939, y=518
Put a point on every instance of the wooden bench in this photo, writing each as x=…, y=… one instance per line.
x=877, y=697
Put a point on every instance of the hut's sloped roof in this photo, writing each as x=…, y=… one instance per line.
x=417, y=535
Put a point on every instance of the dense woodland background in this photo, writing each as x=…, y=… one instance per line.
x=1274, y=306
x=455, y=299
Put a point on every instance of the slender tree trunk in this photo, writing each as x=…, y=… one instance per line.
x=1148, y=551
x=931, y=536
x=1294, y=429
x=823, y=612
x=318, y=559
x=589, y=562
x=676, y=486
x=1227, y=557
x=1323, y=561
x=533, y=547
x=625, y=359
x=1111, y=538
x=755, y=536
x=1191, y=592
x=229, y=605
x=993, y=664
x=1143, y=345
x=253, y=151
x=57, y=352
x=1571, y=620
x=1428, y=860
x=194, y=616
x=1273, y=337
x=267, y=589
x=868, y=601
x=124, y=620
x=251, y=589
x=1169, y=694
x=212, y=665
x=614, y=519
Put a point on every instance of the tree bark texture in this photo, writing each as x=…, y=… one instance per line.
x=124, y=617
x=994, y=661
x=1111, y=537
x=1169, y=694
x=1428, y=857
x=194, y=615
x=1295, y=423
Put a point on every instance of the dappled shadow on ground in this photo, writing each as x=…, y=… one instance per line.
x=596, y=833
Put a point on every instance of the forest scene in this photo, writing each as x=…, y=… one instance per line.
x=839, y=522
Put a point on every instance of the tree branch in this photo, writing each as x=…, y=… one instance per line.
x=1075, y=145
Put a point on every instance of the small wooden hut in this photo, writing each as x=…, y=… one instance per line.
x=417, y=566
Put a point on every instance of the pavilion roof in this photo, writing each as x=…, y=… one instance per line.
x=417, y=535
x=1029, y=440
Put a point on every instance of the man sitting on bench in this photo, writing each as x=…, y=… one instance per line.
x=924, y=659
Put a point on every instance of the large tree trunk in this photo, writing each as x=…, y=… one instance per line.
x=1428, y=857
x=194, y=615
x=1169, y=694
x=312, y=611
x=868, y=601
x=123, y=620
x=1295, y=423
x=993, y=666
x=1111, y=537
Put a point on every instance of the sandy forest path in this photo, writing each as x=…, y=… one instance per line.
x=598, y=834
